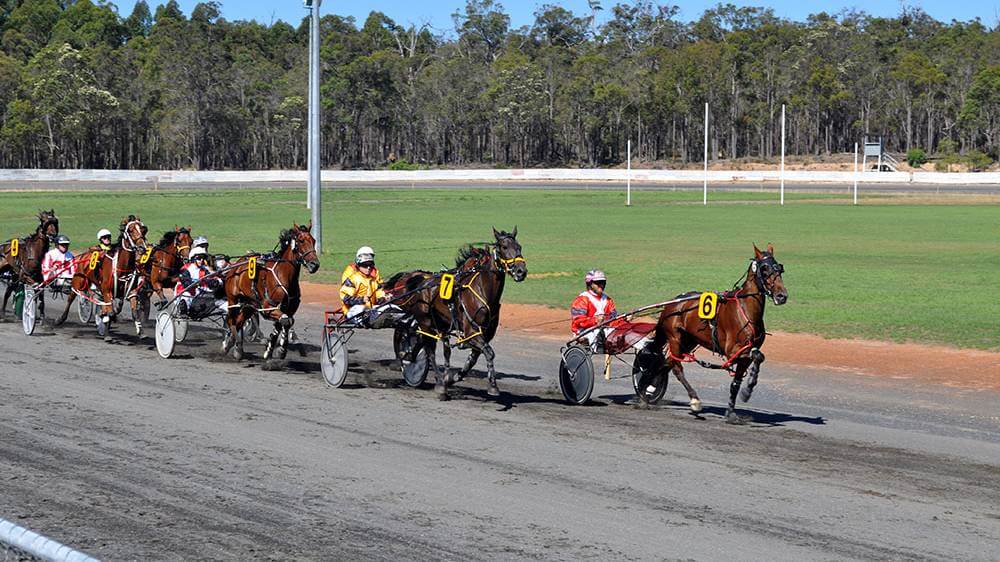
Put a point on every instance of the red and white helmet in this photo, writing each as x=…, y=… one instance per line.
x=595, y=275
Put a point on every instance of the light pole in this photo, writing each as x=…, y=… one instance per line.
x=314, y=200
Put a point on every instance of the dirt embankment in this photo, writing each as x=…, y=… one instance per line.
x=960, y=368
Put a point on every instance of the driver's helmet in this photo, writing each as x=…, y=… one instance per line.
x=199, y=251
x=62, y=239
x=595, y=275
x=200, y=242
x=102, y=233
x=365, y=255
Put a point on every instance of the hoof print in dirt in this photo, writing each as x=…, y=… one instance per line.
x=273, y=365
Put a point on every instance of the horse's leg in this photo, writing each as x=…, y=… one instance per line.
x=271, y=340
x=440, y=379
x=678, y=369
x=6, y=297
x=469, y=364
x=135, y=304
x=232, y=316
x=236, y=333
x=70, y=299
x=491, y=372
x=285, y=323
x=756, y=358
x=734, y=389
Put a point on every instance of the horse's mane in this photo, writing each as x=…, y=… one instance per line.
x=285, y=236
x=466, y=253
x=168, y=237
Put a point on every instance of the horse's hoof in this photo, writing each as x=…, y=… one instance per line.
x=695, y=405
x=108, y=339
x=237, y=353
x=733, y=419
x=443, y=396
x=493, y=391
x=279, y=353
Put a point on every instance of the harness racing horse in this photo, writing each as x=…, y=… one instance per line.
x=472, y=314
x=269, y=285
x=21, y=258
x=163, y=263
x=736, y=332
x=116, y=275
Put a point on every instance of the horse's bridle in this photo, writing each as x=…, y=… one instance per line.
x=757, y=266
x=127, y=236
x=506, y=264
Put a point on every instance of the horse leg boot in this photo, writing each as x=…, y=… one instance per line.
x=491, y=372
x=473, y=357
x=440, y=380
x=283, y=326
x=734, y=389
x=756, y=359
x=695, y=402
x=446, y=351
x=271, y=341
x=6, y=297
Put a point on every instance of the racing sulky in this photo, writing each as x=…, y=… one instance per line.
x=736, y=332
x=269, y=285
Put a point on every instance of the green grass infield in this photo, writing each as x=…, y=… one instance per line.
x=887, y=269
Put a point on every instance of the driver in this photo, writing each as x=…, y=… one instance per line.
x=361, y=288
x=57, y=265
x=592, y=306
x=196, y=287
x=104, y=239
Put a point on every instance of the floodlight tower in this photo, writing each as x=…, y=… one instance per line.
x=313, y=199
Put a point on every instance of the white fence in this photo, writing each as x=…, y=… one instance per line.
x=507, y=175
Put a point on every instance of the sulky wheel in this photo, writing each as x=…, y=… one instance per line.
x=333, y=358
x=649, y=380
x=576, y=374
x=30, y=311
x=411, y=352
x=85, y=309
x=164, y=334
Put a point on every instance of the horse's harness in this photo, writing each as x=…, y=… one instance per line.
x=470, y=275
x=271, y=261
x=28, y=249
x=757, y=266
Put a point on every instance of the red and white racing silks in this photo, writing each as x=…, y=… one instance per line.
x=189, y=277
x=587, y=306
x=58, y=264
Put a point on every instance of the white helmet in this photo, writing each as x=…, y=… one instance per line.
x=197, y=251
x=595, y=275
x=365, y=255
x=200, y=241
x=102, y=233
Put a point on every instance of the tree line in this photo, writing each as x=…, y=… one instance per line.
x=82, y=86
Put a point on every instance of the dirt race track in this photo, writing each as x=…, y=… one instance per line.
x=127, y=456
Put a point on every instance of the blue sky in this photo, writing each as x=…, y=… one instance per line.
x=438, y=12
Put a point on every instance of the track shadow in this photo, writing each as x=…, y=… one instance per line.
x=754, y=417
x=479, y=374
x=507, y=400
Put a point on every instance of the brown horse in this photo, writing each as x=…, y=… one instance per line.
x=164, y=262
x=115, y=273
x=269, y=285
x=472, y=314
x=23, y=263
x=736, y=332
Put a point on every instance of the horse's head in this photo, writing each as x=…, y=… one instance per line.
x=303, y=245
x=133, y=234
x=183, y=240
x=767, y=273
x=48, y=224
x=508, y=254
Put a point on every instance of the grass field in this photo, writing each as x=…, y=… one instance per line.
x=896, y=271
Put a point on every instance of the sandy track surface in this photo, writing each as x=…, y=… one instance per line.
x=115, y=451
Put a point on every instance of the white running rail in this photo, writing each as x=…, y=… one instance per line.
x=39, y=546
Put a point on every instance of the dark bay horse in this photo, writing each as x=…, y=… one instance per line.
x=164, y=261
x=22, y=260
x=269, y=286
x=472, y=314
x=115, y=273
x=737, y=332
